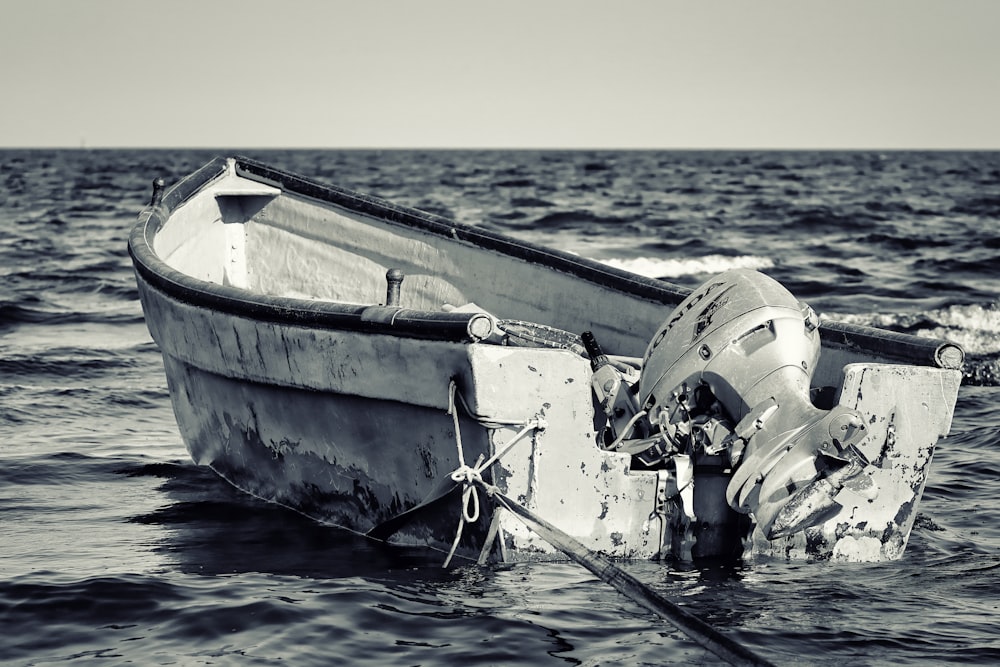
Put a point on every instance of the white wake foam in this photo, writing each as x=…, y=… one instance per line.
x=655, y=267
x=976, y=328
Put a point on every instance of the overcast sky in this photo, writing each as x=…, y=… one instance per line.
x=500, y=74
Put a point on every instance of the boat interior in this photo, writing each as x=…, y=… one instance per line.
x=243, y=233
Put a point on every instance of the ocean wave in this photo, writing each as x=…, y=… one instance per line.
x=976, y=328
x=515, y=183
x=973, y=267
x=69, y=362
x=581, y=220
x=530, y=202
x=657, y=267
x=986, y=206
x=900, y=241
x=27, y=311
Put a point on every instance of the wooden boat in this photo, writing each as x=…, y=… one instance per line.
x=371, y=366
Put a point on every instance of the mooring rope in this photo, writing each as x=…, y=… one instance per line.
x=471, y=476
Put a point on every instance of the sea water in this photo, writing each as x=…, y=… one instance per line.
x=116, y=549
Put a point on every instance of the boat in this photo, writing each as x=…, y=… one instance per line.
x=429, y=383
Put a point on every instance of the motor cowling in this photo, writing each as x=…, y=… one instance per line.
x=741, y=350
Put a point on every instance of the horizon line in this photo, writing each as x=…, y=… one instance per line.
x=500, y=148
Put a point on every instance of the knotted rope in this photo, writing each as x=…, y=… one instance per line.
x=471, y=477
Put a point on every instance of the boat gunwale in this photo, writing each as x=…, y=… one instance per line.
x=442, y=325
x=374, y=318
x=437, y=324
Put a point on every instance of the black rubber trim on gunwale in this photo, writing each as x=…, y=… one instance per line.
x=436, y=325
x=319, y=314
x=892, y=345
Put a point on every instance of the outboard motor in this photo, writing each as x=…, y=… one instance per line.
x=729, y=373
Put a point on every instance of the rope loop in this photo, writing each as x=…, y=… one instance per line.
x=469, y=478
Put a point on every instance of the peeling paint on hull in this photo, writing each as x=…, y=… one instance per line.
x=907, y=411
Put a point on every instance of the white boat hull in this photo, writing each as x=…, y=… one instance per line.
x=346, y=417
